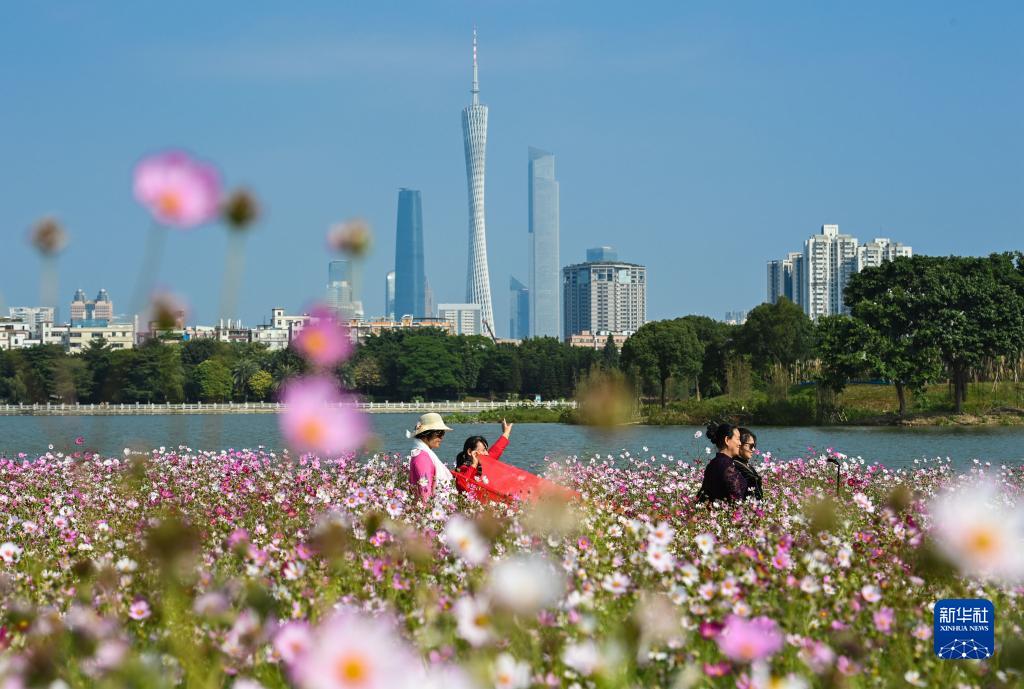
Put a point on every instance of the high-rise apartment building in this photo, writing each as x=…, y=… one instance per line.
x=465, y=318
x=389, y=295
x=519, y=310
x=33, y=316
x=341, y=292
x=603, y=296
x=474, y=137
x=410, y=275
x=816, y=278
x=545, y=288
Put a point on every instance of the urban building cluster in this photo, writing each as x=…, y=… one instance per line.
x=814, y=279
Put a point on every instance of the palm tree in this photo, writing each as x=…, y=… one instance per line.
x=241, y=372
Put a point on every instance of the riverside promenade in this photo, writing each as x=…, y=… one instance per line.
x=261, y=408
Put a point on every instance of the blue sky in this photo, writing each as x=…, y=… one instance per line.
x=700, y=139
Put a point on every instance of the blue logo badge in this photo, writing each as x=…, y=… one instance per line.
x=965, y=628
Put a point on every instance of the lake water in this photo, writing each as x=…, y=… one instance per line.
x=531, y=444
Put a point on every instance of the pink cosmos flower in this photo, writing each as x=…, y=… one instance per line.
x=139, y=610
x=717, y=669
x=883, y=620
x=350, y=651
x=317, y=418
x=749, y=640
x=292, y=641
x=325, y=342
x=80, y=440
x=9, y=552
x=177, y=189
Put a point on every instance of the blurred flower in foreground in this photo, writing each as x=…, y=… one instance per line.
x=510, y=673
x=352, y=237
x=241, y=209
x=324, y=341
x=177, y=189
x=318, y=418
x=48, y=237
x=526, y=583
x=166, y=311
x=980, y=533
x=349, y=650
x=605, y=399
x=749, y=640
x=463, y=538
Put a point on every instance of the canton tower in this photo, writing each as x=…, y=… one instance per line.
x=474, y=136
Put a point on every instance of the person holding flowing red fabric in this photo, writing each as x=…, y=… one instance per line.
x=480, y=473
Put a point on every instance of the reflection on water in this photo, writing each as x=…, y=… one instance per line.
x=531, y=444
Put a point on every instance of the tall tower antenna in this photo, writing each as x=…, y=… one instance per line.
x=476, y=80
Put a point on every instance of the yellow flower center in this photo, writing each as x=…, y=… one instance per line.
x=982, y=541
x=311, y=431
x=315, y=342
x=481, y=620
x=352, y=669
x=169, y=203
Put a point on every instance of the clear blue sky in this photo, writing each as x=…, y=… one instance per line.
x=700, y=139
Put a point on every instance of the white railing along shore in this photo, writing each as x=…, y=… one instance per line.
x=262, y=407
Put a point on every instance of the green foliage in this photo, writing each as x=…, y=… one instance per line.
x=214, y=379
x=716, y=337
x=776, y=335
x=610, y=353
x=260, y=384
x=664, y=349
x=427, y=368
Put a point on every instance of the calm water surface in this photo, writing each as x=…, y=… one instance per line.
x=532, y=444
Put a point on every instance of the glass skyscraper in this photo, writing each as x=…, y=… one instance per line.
x=474, y=137
x=545, y=287
x=410, y=278
x=519, y=310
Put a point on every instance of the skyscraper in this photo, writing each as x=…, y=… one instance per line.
x=474, y=137
x=604, y=296
x=543, y=229
x=389, y=295
x=410, y=278
x=341, y=291
x=519, y=310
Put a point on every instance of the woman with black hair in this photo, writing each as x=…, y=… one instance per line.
x=722, y=478
x=467, y=463
x=748, y=445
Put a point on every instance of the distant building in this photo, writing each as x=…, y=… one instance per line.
x=735, y=317
x=360, y=329
x=389, y=295
x=96, y=313
x=116, y=336
x=410, y=275
x=33, y=316
x=816, y=278
x=602, y=254
x=341, y=296
x=465, y=318
x=604, y=296
x=545, y=292
x=519, y=310
x=14, y=333
x=597, y=340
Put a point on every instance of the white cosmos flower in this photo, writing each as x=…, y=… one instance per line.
x=9, y=552
x=526, y=583
x=660, y=559
x=661, y=534
x=461, y=535
x=584, y=657
x=616, y=582
x=474, y=620
x=980, y=532
x=510, y=673
x=870, y=593
x=351, y=651
x=705, y=542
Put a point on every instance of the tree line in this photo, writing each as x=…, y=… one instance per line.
x=913, y=321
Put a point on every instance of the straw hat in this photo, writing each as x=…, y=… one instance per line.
x=431, y=421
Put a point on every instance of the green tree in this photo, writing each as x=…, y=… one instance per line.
x=845, y=350
x=260, y=384
x=470, y=353
x=427, y=368
x=502, y=373
x=776, y=336
x=241, y=372
x=610, y=354
x=664, y=349
x=215, y=383
x=97, y=357
x=715, y=336
x=545, y=367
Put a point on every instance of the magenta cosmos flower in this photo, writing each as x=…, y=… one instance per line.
x=178, y=190
x=318, y=418
x=324, y=341
x=748, y=640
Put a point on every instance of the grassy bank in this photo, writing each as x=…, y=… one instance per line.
x=986, y=404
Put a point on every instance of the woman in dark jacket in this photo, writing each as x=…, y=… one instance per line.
x=722, y=478
x=748, y=443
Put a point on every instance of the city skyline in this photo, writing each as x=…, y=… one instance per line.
x=324, y=111
x=545, y=268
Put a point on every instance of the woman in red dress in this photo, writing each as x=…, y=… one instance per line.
x=469, y=470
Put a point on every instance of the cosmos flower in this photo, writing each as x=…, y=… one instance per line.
x=526, y=583
x=462, y=537
x=292, y=641
x=139, y=610
x=351, y=651
x=746, y=641
x=510, y=673
x=10, y=552
x=324, y=341
x=472, y=616
x=317, y=418
x=616, y=583
x=177, y=189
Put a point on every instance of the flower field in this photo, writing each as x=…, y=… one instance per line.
x=248, y=568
